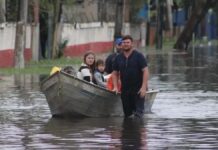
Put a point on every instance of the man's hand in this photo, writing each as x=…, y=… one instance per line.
x=115, y=90
x=115, y=77
x=142, y=92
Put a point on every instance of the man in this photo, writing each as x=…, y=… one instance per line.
x=131, y=67
x=111, y=57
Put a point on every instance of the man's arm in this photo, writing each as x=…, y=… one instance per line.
x=115, y=77
x=144, y=86
x=108, y=64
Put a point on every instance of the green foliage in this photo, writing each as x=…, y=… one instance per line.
x=180, y=3
x=48, y=5
x=60, y=62
x=34, y=70
x=135, y=7
x=69, y=2
x=215, y=9
x=12, y=10
x=61, y=47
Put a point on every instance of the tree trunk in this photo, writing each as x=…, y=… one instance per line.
x=159, y=32
x=20, y=41
x=169, y=22
x=118, y=19
x=20, y=45
x=50, y=33
x=148, y=25
x=23, y=11
x=102, y=11
x=35, y=31
x=56, y=35
x=143, y=33
x=2, y=11
x=197, y=15
x=126, y=11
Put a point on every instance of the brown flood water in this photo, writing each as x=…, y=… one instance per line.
x=184, y=112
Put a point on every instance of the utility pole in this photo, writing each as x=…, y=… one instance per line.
x=20, y=40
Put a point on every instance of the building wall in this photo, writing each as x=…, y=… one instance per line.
x=7, y=44
x=82, y=37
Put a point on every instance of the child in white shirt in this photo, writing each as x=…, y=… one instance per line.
x=87, y=67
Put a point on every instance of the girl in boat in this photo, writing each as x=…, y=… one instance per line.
x=86, y=69
x=99, y=73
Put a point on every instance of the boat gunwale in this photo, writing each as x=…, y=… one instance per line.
x=86, y=82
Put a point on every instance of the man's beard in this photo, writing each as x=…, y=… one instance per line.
x=127, y=50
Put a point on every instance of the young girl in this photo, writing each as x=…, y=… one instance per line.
x=99, y=72
x=87, y=67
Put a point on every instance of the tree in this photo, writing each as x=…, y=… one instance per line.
x=169, y=16
x=54, y=11
x=2, y=11
x=197, y=15
x=159, y=25
x=118, y=19
x=56, y=26
x=35, y=31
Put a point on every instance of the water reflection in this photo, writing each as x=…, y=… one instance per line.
x=91, y=133
x=198, y=73
x=133, y=134
x=87, y=133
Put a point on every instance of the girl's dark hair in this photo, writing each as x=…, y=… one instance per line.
x=92, y=67
x=99, y=62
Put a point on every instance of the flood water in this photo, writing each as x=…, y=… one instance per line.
x=185, y=112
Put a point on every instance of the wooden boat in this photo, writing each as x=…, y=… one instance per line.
x=69, y=96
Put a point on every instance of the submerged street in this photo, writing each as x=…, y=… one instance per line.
x=184, y=114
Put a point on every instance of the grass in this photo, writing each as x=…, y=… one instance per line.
x=41, y=67
x=45, y=66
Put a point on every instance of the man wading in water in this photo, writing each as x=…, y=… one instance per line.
x=131, y=67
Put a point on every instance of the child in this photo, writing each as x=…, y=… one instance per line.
x=99, y=72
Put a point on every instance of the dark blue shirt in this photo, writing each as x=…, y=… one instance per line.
x=109, y=62
x=130, y=70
